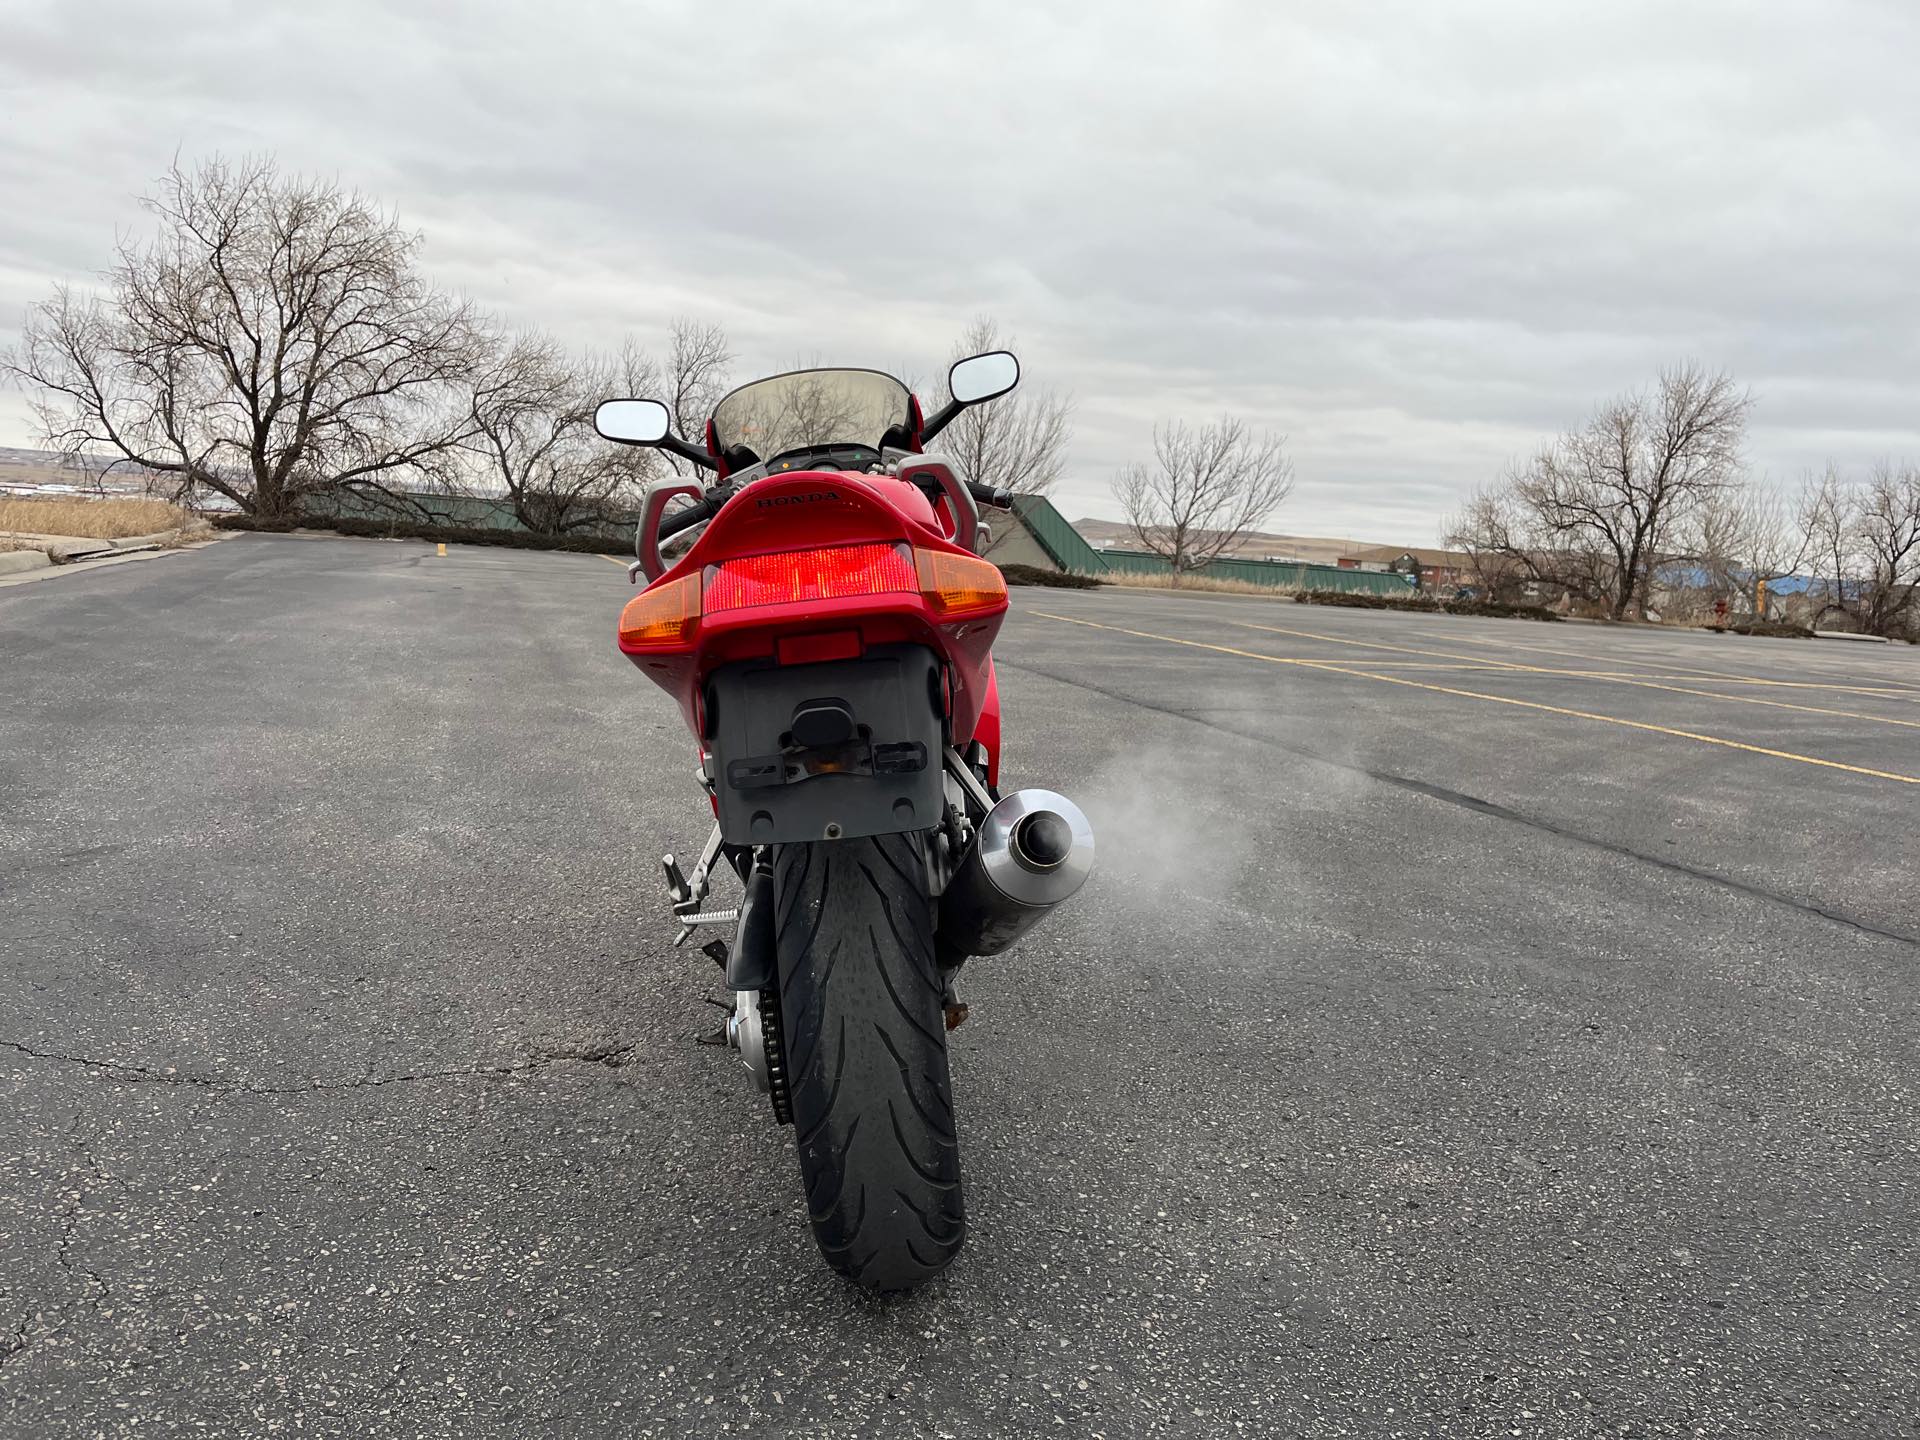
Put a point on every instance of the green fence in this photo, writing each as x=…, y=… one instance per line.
x=1279, y=573
x=1071, y=552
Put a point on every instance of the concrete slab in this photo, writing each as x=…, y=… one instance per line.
x=19, y=562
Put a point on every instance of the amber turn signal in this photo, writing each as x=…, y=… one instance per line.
x=956, y=586
x=663, y=617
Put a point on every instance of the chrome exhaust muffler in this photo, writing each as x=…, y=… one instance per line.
x=1033, y=850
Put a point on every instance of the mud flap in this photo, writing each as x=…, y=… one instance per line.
x=750, y=963
x=832, y=751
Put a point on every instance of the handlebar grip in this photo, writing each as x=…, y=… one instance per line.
x=987, y=495
x=688, y=518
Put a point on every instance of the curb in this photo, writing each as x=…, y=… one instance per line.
x=141, y=542
x=65, y=552
x=71, y=551
x=17, y=562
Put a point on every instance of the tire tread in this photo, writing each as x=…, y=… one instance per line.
x=883, y=1194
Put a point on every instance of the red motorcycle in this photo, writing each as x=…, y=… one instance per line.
x=828, y=637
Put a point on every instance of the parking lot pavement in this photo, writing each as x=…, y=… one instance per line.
x=1472, y=1027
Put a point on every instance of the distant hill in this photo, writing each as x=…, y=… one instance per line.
x=14, y=455
x=31, y=469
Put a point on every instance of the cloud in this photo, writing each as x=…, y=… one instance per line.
x=1415, y=238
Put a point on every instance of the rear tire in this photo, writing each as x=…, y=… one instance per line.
x=866, y=1041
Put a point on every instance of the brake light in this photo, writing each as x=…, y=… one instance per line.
x=956, y=586
x=790, y=577
x=664, y=617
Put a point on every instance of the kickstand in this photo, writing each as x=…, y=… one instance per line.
x=718, y=1037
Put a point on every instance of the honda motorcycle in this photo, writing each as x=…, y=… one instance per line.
x=828, y=637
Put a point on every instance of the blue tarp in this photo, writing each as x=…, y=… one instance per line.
x=1695, y=577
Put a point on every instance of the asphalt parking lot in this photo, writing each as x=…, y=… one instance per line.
x=1472, y=1028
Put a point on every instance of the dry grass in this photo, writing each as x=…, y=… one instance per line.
x=87, y=519
x=1201, y=582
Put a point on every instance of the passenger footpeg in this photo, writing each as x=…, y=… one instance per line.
x=689, y=894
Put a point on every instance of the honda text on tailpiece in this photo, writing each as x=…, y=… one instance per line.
x=828, y=637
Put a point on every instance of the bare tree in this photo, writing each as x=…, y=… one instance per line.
x=1825, y=522
x=689, y=384
x=1598, y=509
x=270, y=340
x=1017, y=442
x=531, y=406
x=1887, y=534
x=1618, y=491
x=698, y=362
x=1206, y=489
x=1863, y=539
x=1741, y=538
x=1501, y=540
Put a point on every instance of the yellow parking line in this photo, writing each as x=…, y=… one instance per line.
x=616, y=560
x=1892, y=687
x=1714, y=677
x=1514, y=665
x=1704, y=679
x=1330, y=666
x=1486, y=666
x=443, y=547
x=1749, y=700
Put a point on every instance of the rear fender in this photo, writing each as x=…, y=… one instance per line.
x=831, y=751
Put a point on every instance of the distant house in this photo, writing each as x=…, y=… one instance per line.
x=1439, y=569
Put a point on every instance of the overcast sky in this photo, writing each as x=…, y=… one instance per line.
x=1414, y=237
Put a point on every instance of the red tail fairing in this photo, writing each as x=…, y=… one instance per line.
x=816, y=566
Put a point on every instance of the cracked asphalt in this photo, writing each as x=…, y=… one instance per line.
x=1473, y=1028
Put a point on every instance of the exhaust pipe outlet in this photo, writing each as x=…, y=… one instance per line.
x=1032, y=851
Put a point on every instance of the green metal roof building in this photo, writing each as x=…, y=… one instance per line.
x=1039, y=535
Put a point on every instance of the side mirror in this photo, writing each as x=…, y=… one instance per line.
x=633, y=422
x=983, y=377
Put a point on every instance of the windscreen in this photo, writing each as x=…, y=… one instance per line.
x=810, y=408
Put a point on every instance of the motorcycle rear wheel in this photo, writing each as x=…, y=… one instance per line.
x=866, y=1043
